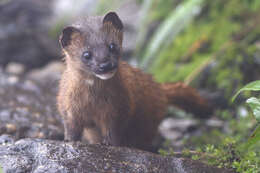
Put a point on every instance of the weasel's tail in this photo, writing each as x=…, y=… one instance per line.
x=187, y=98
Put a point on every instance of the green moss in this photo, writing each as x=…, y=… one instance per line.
x=229, y=156
x=228, y=150
x=226, y=153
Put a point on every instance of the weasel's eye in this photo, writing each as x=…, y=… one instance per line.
x=86, y=55
x=112, y=47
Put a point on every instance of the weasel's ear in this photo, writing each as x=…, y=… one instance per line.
x=113, y=18
x=68, y=34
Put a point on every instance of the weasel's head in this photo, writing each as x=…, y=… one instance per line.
x=94, y=45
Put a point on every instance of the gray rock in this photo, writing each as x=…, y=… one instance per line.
x=39, y=155
x=15, y=68
x=175, y=130
x=28, y=109
x=25, y=33
x=51, y=72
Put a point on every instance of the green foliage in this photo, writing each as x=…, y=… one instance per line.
x=253, y=86
x=105, y=6
x=177, y=19
x=186, y=153
x=227, y=155
x=234, y=152
x=241, y=155
x=169, y=152
x=234, y=149
x=254, y=104
x=249, y=163
x=208, y=39
x=232, y=71
x=254, y=138
x=223, y=39
x=186, y=52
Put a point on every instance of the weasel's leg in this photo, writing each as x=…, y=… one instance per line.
x=92, y=135
x=113, y=134
x=73, y=128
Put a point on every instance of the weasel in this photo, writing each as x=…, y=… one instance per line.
x=103, y=99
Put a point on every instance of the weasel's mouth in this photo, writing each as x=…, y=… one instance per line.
x=107, y=75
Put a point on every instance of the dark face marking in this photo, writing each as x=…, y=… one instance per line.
x=93, y=49
x=68, y=34
x=86, y=56
x=114, y=19
x=101, y=57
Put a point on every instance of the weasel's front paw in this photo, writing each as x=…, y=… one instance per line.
x=66, y=140
x=105, y=142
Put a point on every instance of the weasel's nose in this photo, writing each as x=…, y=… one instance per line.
x=107, y=66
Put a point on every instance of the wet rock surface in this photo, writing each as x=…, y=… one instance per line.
x=39, y=155
x=28, y=109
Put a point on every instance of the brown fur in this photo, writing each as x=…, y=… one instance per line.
x=122, y=111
